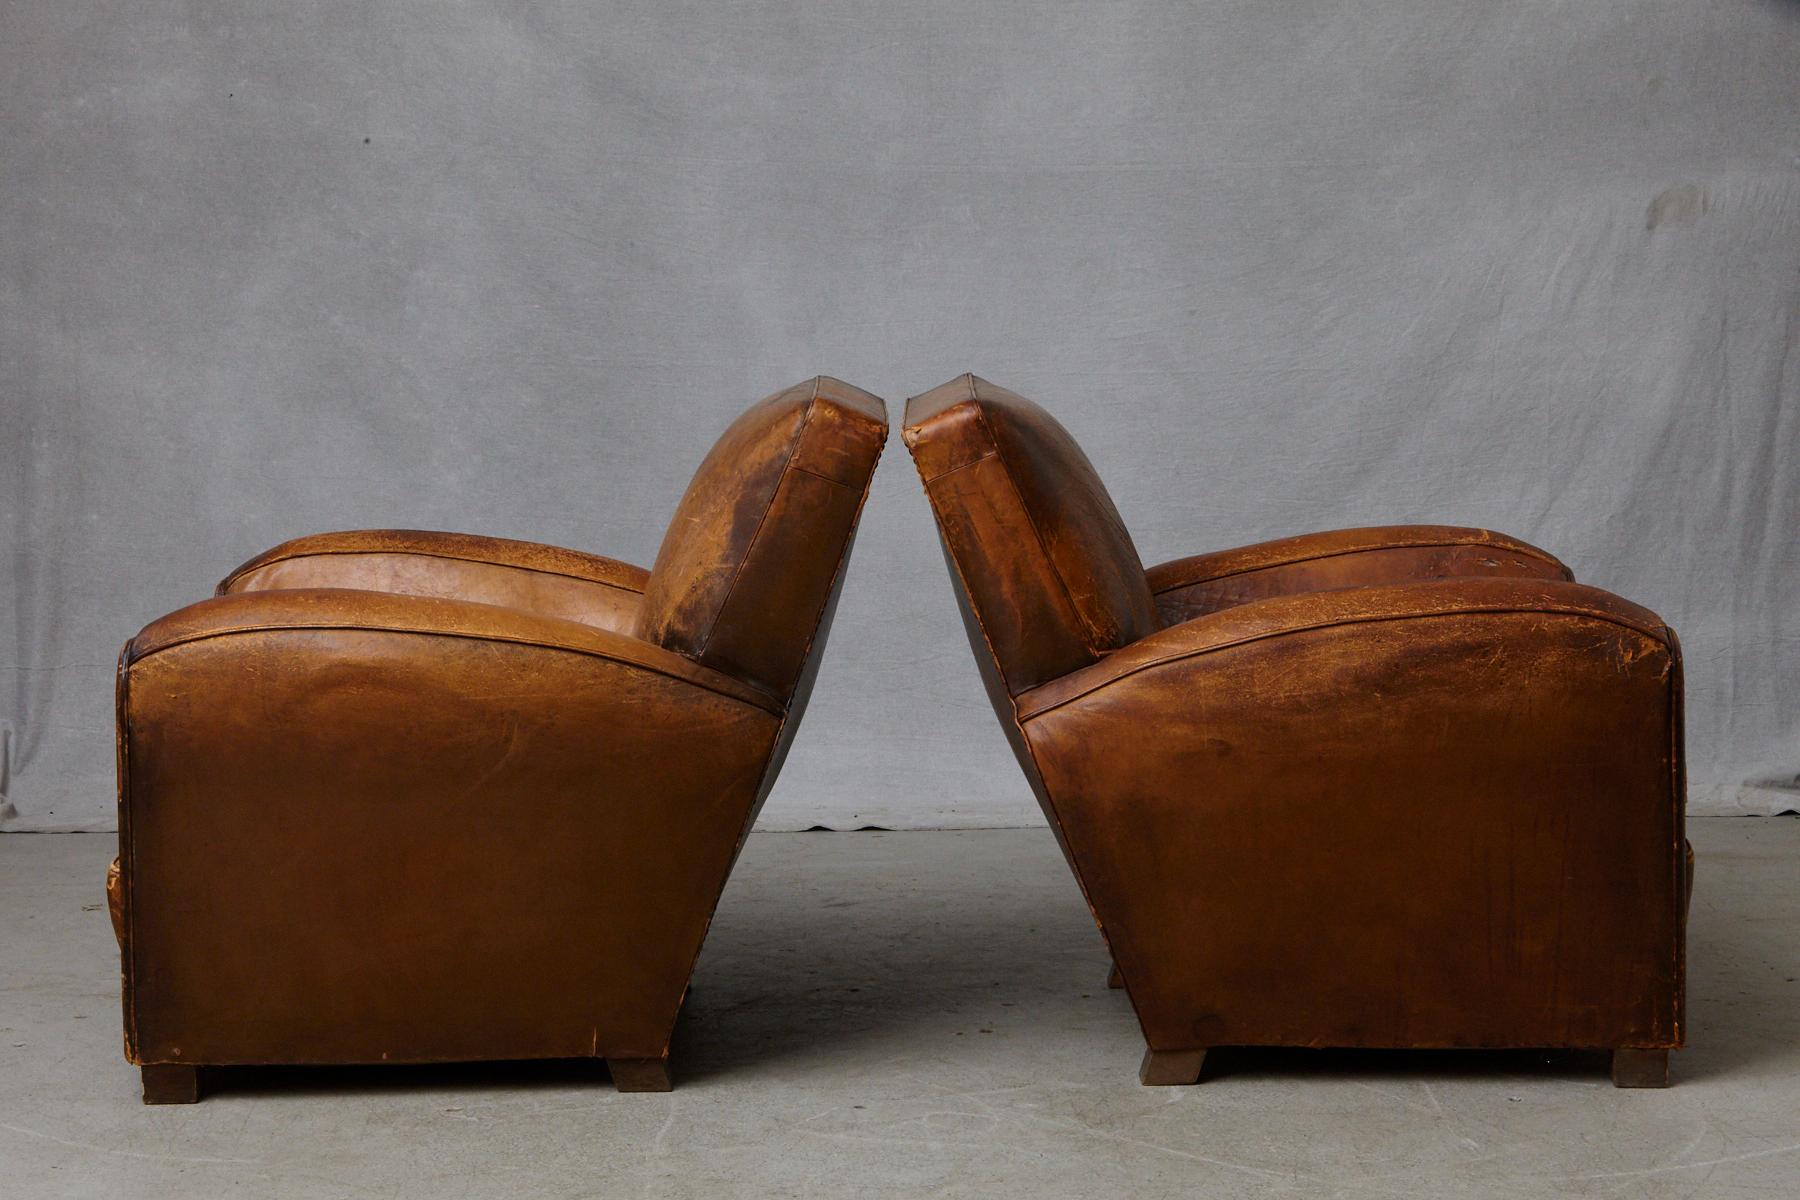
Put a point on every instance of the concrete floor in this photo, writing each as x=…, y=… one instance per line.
x=913, y=1015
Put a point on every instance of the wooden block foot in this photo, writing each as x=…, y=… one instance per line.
x=1640, y=1068
x=171, y=1083
x=1114, y=979
x=640, y=1074
x=1167, y=1068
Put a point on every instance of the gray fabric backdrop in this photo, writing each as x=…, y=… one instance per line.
x=273, y=268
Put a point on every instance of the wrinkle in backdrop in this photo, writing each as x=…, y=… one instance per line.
x=506, y=268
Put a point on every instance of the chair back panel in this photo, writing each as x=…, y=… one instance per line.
x=1052, y=575
x=746, y=568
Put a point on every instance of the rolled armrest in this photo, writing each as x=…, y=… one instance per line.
x=1284, y=616
x=1442, y=813
x=428, y=617
x=1203, y=583
x=543, y=579
x=359, y=826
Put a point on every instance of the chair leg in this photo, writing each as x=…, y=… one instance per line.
x=171, y=1083
x=640, y=1074
x=1113, y=978
x=1640, y=1068
x=1165, y=1068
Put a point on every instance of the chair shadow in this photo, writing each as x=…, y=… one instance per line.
x=403, y=1078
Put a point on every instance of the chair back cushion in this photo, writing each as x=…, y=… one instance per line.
x=1051, y=575
x=748, y=563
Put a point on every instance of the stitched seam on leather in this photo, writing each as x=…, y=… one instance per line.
x=1332, y=624
x=1092, y=639
x=237, y=575
x=1288, y=562
x=712, y=625
x=949, y=471
x=828, y=479
x=285, y=626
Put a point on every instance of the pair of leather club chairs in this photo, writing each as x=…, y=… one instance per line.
x=396, y=796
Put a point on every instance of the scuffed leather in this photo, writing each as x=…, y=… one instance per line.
x=1305, y=611
x=339, y=609
x=398, y=796
x=1203, y=583
x=758, y=535
x=548, y=580
x=1398, y=786
x=1031, y=528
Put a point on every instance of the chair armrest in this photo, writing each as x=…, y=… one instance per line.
x=1343, y=610
x=1202, y=583
x=527, y=575
x=445, y=627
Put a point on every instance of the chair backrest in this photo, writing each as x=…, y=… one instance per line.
x=748, y=566
x=1051, y=576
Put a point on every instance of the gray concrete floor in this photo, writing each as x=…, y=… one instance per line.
x=919, y=1014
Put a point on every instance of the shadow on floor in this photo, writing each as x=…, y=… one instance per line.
x=401, y=1078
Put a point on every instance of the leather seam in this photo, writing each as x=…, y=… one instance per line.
x=1288, y=562
x=488, y=562
x=949, y=471
x=828, y=479
x=1332, y=624
x=778, y=708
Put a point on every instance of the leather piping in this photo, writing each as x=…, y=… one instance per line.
x=1511, y=547
x=269, y=562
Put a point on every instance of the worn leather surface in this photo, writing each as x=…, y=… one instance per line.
x=397, y=796
x=526, y=575
x=1031, y=528
x=1402, y=786
x=757, y=537
x=1203, y=583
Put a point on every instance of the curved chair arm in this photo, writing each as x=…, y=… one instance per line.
x=527, y=575
x=1202, y=583
x=318, y=610
x=501, y=820
x=1339, y=610
x=1436, y=803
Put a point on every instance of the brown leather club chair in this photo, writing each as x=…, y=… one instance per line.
x=420, y=797
x=1393, y=787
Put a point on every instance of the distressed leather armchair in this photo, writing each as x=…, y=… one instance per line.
x=396, y=796
x=1395, y=787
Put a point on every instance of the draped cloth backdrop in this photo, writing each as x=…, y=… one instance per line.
x=506, y=267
